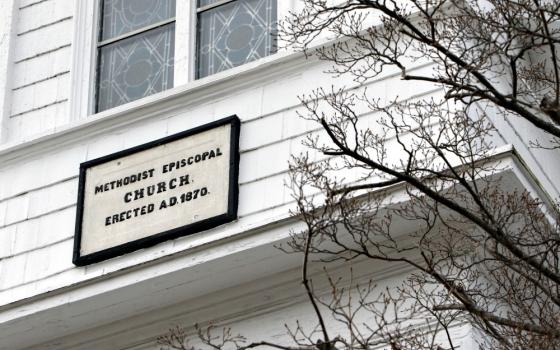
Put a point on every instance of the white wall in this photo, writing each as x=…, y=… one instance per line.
x=41, y=66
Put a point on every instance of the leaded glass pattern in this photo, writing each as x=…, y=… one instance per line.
x=235, y=33
x=123, y=16
x=135, y=67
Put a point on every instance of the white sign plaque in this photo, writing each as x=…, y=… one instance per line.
x=182, y=184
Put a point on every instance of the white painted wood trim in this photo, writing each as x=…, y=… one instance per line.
x=185, y=16
x=84, y=55
x=8, y=20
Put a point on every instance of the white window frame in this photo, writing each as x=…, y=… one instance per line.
x=84, y=57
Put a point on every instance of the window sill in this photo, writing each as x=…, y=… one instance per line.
x=194, y=92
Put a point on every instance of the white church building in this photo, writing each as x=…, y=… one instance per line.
x=143, y=159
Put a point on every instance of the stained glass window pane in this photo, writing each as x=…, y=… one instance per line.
x=234, y=34
x=135, y=67
x=123, y=16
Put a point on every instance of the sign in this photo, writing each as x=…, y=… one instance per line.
x=175, y=186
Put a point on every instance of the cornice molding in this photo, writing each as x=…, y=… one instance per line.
x=178, y=98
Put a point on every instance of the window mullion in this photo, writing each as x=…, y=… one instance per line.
x=185, y=26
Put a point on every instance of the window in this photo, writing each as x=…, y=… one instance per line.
x=138, y=53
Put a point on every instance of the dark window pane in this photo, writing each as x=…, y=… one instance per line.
x=135, y=67
x=123, y=16
x=234, y=34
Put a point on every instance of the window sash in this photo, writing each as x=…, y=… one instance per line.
x=125, y=39
x=135, y=32
x=119, y=18
x=116, y=85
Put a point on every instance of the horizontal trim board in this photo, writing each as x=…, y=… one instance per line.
x=43, y=53
x=33, y=4
x=44, y=26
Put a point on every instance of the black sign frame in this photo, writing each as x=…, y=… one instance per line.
x=203, y=225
